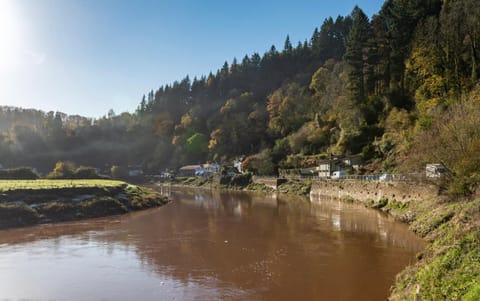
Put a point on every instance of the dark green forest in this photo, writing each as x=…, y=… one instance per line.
x=399, y=88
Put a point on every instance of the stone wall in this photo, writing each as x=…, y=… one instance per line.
x=267, y=181
x=401, y=191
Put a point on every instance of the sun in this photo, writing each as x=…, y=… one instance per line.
x=9, y=33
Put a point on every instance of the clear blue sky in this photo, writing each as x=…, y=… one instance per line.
x=87, y=56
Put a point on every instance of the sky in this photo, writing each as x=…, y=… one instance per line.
x=86, y=57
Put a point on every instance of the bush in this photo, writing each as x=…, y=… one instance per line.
x=225, y=180
x=260, y=164
x=118, y=172
x=473, y=294
x=102, y=206
x=241, y=180
x=381, y=203
x=22, y=173
x=63, y=170
x=11, y=215
x=86, y=173
x=68, y=170
x=58, y=211
x=453, y=139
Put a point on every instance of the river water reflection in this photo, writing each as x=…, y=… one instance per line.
x=211, y=246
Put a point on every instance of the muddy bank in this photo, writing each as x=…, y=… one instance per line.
x=19, y=208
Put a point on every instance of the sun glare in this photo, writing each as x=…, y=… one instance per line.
x=9, y=34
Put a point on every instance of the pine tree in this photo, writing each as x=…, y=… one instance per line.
x=357, y=43
x=288, y=48
x=143, y=105
x=314, y=40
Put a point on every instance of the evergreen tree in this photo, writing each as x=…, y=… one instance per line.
x=288, y=48
x=357, y=43
x=143, y=106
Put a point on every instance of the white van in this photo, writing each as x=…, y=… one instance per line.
x=339, y=174
x=435, y=171
x=386, y=177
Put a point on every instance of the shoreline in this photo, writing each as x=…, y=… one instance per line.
x=32, y=206
x=449, y=266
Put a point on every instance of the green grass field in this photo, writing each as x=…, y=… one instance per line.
x=30, y=202
x=9, y=185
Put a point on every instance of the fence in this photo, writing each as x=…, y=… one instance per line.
x=377, y=177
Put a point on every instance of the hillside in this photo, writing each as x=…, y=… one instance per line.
x=393, y=88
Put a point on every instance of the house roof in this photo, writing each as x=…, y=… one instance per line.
x=198, y=166
x=208, y=165
x=339, y=159
x=190, y=167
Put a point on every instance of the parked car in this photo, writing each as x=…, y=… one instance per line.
x=435, y=170
x=386, y=177
x=339, y=174
x=199, y=173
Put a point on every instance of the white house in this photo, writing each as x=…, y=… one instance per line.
x=237, y=163
x=188, y=170
x=199, y=170
x=210, y=168
x=435, y=170
x=327, y=168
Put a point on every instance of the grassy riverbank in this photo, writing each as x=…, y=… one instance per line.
x=237, y=182
x=29, y=202
x=449, y=267
x=244, y=182
x=10, y=185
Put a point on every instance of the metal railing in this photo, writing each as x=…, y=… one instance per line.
x=375, y=177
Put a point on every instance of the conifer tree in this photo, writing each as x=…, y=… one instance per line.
x=357, y=43
x=288, y=48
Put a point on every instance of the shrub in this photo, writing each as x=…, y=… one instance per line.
x=22, y=173
x=348, y=198
x=473, y=294
x=63, y=170
x=118, y=172
x=86, y=173
x=241, y=179
x=225, y=180
x=381, y=203
x=11, y=215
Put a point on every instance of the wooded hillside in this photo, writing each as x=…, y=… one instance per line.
x=399, y=88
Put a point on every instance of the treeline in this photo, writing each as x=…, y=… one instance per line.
x=359, y=85
x=34, y=138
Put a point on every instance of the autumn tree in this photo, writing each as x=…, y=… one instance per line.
x=453, y=140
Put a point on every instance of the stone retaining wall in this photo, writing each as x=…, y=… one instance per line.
x=401, y=191
x=270, y=182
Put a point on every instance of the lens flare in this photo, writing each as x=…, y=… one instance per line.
x=10, y=48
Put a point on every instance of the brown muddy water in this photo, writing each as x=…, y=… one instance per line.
x=212, y=246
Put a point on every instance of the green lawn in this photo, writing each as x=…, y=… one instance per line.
x=6, y=185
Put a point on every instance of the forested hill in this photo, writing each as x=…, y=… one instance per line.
x=392, y=88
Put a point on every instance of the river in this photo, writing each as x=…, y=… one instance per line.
x=211, y=245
